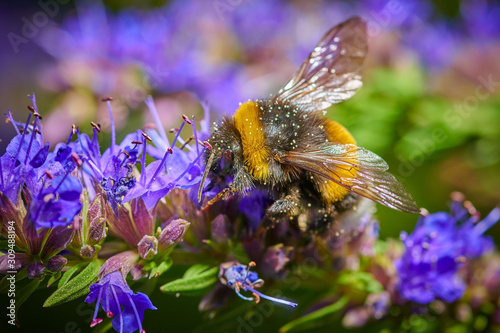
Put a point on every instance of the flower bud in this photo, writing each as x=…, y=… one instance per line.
x=173, y=233
x=35, y=270
x=147, y=247
x=220, y=228
x=275, y=259
x=56, y=264
x=355, y=317
x=97, y=231
x=87, y=251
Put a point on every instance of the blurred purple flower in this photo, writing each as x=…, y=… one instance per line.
x=437, y=248
x=119, y=302
x=436, y=43
x=481, y=19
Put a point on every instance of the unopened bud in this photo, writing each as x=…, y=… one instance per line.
x=173, y=233
x=35, y=270
x=97, y=230
x=220, y=228
x=147, y=247
x=87, y=251
x=56, y=264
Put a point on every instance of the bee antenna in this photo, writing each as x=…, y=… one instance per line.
x=205, y=174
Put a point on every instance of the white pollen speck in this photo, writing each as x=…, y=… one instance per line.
x=309, y=205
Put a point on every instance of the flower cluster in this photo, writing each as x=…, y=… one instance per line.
x=438, y=247
x=95, y=219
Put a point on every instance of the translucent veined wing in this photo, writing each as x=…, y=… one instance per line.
x=330, y=74
x=356, y=169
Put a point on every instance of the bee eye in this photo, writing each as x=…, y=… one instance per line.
x=226, y=161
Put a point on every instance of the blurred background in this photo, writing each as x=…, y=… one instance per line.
x=430, y=104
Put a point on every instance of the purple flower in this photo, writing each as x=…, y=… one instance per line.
x=57, y=205
x=42, y=177
x=24, y=157
x=112, y=169
x=119, y=302
x=480, y=18
x=254, y=206
x=435, y=43
x=239, y=277
x=437, y=248
x=174, y=167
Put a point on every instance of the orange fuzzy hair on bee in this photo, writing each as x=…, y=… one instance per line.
x=331, y=191
x=248, y=123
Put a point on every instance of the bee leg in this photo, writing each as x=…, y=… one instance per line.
x=222, y=195
x=287, y=205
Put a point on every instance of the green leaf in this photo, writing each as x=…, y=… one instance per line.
x=195, y=270
x=161, y=268
x=69, y=273
x=76, y=287
x=54, y=278
x=192, y=282
x=325, y=311
x=360, y=281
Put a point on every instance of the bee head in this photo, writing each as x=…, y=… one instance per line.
x=226, y=156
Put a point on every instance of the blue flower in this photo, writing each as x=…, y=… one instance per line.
x=254, y=206
x=42, y=177
x=57, y=205
x=113, y=169
x=181, y=170
x=119, y=302
x=24, y=157
x=437, y=248
x=239, y=277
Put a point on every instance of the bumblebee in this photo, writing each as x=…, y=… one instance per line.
x=287, y=146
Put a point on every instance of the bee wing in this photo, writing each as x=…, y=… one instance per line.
x=330, y=73
x=357, y=169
